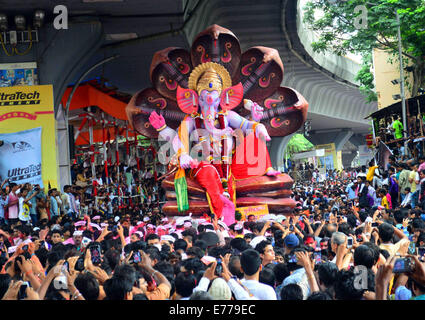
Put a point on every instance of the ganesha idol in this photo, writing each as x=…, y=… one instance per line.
x=216, y=107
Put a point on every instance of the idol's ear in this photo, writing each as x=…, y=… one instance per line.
x=187, y=100
x=231, y=97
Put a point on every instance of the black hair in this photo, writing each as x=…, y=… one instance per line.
x=320, y=295
x=126, y=271
x=201, y=244
x=88, y=286
x=250, y=261
x=345, y=288
x=196, y=252
x=140, y=296
x=185, y=283
x=386, y=232
x=291, y=292
x=362, y=216
x=117, y=287
x=281, y=272
x=111, y=259
x=375, y=250
x=239, y=244
x=153, y=253
x=180, y=244
x=165, y=268
x=327, y=272
x=364, y=255
x=42, y=255
x=267, y=277
x=234, y=264
x=258, y=226
x=151, y=236
x=260, y=247
x=399, y=215
x=5, y=280
x=193, y=264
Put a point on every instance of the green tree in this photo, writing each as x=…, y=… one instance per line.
x=298, y=143
x=341, y=30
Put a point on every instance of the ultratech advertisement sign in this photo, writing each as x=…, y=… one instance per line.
x=20, y=157
x=25, y=108
x=19, y=98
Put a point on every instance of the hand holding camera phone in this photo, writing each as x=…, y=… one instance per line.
x=136, y=258
x=22, y=294
x=292, y=258
x=219, y=268
x=404, y=265
x=349, y=242
x=95, y=251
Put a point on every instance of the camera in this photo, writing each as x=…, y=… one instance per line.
x=403, y=265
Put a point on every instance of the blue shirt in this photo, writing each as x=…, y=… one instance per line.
x=33, y=201
x=3, y=202
x=299, y=277
x=54, y=206
x=351, y=192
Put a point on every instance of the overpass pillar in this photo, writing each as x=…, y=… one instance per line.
x=277, y=150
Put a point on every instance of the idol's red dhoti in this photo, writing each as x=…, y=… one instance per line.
x=251, y=158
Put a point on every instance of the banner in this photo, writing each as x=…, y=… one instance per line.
x=257, y=211
x=18, y=74
x=29, y=107
x=20, y=157
x=330, y=159
x=365, y=155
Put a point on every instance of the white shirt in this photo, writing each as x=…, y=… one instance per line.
x=259, y=290
x=407, y=199
x=21, y=214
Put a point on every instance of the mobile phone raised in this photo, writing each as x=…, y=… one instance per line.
x=403, y=265
x=95, y=251
x=219, y=268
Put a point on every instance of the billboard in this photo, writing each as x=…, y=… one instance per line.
x=330, y=160
x=18, y=74
x=20, y=156
x=29, y=107
x=257, y=211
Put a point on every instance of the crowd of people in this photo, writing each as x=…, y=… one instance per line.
x=355, y=235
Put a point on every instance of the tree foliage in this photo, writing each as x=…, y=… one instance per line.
x=341, y=30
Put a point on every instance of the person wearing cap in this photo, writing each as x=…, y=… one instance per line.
x=238, y=230
x=136, y=236
x=77, y=238
x=291, y=242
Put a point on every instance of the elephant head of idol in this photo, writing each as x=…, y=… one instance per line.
x=210, y=91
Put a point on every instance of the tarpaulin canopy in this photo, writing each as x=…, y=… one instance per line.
x=91, y=94
x=108, y=100
x=395, y=108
